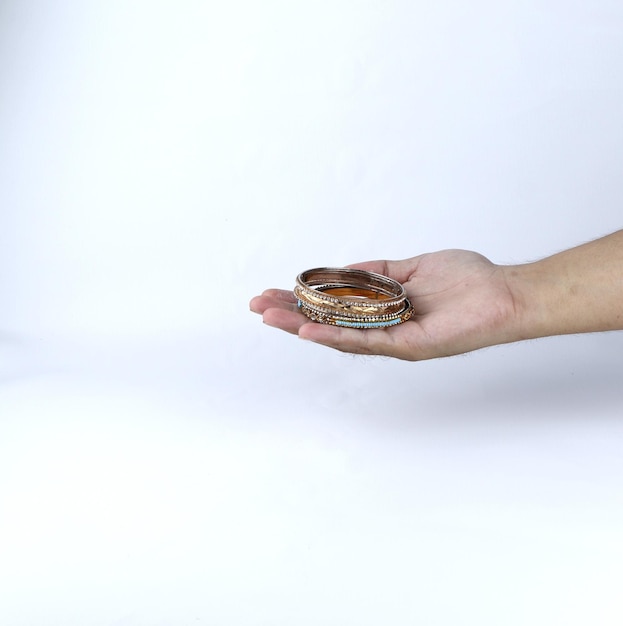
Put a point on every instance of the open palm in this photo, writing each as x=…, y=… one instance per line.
x=461, y=300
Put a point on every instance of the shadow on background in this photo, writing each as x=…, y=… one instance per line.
x=542, y=381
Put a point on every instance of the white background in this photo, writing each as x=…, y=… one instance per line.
x=166, y=459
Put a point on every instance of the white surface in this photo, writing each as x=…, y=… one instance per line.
x=167, y=461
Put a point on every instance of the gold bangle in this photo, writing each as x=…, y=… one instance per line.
x=351, y=297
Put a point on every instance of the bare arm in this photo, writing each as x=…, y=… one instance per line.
x=576, y=291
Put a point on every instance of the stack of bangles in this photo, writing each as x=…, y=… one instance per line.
x=351, y=298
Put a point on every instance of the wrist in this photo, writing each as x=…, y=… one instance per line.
x=533, y=296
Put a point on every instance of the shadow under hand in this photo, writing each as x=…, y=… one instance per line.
x=531, y=383
x=561, y=377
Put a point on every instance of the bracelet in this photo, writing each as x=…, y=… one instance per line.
x=351, y=298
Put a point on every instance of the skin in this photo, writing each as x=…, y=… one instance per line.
x=464, y=302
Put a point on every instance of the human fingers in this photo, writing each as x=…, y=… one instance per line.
x=398, y=270
x=279, y=308
x=273, y=298
x=285, y=319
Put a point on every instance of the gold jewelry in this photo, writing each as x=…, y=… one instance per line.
x=352, y=298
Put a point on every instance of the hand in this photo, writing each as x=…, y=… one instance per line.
x=462, y=302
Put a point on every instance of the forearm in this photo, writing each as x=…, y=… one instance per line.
x=576, y=291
